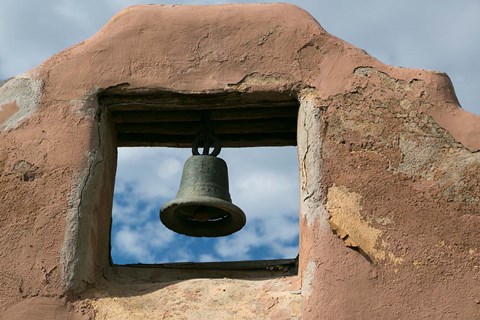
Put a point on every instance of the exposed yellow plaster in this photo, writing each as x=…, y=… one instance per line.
x=347, y=222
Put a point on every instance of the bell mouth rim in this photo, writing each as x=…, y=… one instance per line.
x=172, y=221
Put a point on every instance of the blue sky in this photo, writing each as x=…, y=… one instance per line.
x=440, y=35
x=263, y=182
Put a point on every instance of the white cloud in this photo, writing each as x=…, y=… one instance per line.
x=131, y=211
x=129, y=243
x=237, y=248
x=274, y=237
x=152, y=173
x=156, y=236
x=207, y=258
x=264, y=181
x=266, y=194
x=144, y=243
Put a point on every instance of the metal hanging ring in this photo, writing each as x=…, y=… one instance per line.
x=210, y=141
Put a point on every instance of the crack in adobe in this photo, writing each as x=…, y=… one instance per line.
x=71, y=249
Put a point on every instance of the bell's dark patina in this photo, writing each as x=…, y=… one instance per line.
x=203, y=207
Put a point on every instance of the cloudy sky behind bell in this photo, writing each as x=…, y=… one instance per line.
x=441, y=35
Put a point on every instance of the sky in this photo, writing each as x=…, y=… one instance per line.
x=263, y=182
x=440, y=35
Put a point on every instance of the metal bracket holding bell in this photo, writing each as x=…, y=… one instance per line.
x=206, y=139
x=203, y=207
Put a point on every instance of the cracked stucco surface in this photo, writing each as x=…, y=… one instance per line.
x=78, y=261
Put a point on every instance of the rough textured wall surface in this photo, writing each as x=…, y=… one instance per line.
x=199, y=299
x=389, y=167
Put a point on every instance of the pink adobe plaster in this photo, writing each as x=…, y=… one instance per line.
x=389, y=166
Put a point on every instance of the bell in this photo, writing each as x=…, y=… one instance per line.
x=203, y=207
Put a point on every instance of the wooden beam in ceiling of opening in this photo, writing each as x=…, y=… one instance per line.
x=173, y=119
x=170, y=100
x=242, y=113
x=152, y=106
x=219, y=127
x=185, y=141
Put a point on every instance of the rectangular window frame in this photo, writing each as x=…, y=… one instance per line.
x=120, y=108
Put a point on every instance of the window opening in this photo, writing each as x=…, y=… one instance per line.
x=258, y=135
x=263, y=182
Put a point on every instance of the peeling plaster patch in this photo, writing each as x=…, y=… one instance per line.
x=418, y=157
x=347, y=222
x=387, y=81
x=433, y=160
x=308, y=278
x=309, y=143
x=23, y=91
x=254, y=81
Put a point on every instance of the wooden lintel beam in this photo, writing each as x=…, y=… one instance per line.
x=185, y=141
x=243, y=113
x=162, y=105
x=219, y=127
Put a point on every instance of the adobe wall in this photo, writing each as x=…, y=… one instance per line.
x=389, y=166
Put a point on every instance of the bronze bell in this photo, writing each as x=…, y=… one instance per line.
x=203, y=207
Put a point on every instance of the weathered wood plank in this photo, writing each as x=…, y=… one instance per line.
x=274, y=264
x=212, y=270
x=141, y=116
x=219, y=127
x=108, y=98
x=185, y=141
x=173, y=119
x=162, y=105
